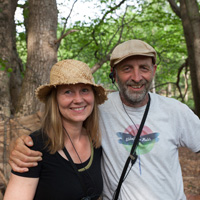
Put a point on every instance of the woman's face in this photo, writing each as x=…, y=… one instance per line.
x=76, y=102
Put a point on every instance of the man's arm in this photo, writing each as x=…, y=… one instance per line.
x=21, y=157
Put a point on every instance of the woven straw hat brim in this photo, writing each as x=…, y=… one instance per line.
x=43, y=91
x=67, y=72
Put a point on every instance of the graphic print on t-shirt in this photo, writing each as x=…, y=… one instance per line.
x=146, y=142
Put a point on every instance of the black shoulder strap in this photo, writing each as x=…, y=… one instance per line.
x=141, y=127
x=133, y=156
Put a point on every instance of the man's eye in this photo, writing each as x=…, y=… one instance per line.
x=126, y=69
x=145, y=68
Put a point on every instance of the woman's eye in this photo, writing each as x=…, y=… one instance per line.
x=85, y=90
x=67, y=92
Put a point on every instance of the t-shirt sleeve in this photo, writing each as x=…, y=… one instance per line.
x=190, y=129
x=34, y=172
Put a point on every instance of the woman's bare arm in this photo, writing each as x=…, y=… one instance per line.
x=21, y=188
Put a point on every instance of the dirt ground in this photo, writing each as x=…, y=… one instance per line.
x=190, y=164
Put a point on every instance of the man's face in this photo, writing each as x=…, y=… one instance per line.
x=134, y=76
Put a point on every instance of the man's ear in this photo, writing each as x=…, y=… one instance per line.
x=114, y=74
x=154, y=69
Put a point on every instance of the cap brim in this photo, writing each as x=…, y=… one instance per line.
x=118, y=60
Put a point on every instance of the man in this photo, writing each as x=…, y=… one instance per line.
x=170, y=124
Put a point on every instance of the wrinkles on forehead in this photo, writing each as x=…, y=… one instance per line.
x=139, y=60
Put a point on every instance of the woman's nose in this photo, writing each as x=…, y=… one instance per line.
x=77, y=98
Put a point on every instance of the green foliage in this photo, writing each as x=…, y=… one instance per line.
x=25, y=12
x=150, y=20
x=22, y=48
x=3, y=64
x=21, y=34
x=9, y=70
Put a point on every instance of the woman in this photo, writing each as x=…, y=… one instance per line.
x=69, y=139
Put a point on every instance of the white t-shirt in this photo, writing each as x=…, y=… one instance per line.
x=156, y=175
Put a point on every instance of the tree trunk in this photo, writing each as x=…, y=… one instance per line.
x=8, y=59
x=42, y=52
x=191, y=24
x=189, y=14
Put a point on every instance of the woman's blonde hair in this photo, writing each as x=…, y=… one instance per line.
x=52, y=124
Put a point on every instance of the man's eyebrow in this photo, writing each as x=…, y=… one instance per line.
x=145, y=64
x=124, y=65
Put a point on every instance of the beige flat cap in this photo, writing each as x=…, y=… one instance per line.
x=131, y=48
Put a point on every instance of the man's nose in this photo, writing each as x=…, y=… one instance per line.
x=136, y=75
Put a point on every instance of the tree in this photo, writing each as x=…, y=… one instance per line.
x=92, y=42
x=10, y=63
x=151, y=21
x=41, y=52
x=188, y=11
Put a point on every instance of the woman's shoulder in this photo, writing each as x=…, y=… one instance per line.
x=39, y=139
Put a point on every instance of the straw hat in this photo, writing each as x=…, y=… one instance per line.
x=70, y=72
x=131, y=48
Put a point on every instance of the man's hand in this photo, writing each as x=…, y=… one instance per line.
x=21, y=157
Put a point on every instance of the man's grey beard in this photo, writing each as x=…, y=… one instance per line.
x=133, y=98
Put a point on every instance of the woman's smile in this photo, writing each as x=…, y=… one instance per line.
x=75, y=102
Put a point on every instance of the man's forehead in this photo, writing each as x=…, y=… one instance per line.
x=136, y=59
